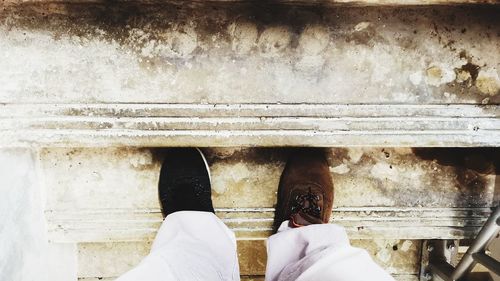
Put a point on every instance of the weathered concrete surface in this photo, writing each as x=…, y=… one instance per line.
x=390, y=193
x=108, y=260
x=91, y=178
x=88, y=179
x=439, y=177
x=417, y=177
x=230, y=125
x=247, y=53
x=248, y=177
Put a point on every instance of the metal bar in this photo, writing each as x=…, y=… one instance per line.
x=487, y=233
x=442, y=269
x=489, y=262
x=425, y=271
x=442, y=256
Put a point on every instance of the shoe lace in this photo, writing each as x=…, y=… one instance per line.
x=307, y=203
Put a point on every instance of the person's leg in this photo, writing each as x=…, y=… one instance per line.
x=318, y=252
x=192, y=243
x=306, y=247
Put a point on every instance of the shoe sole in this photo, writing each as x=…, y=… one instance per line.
x=206, y=164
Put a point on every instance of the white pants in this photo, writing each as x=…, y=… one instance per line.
x=193, y=246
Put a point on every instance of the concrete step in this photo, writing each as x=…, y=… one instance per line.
x=101, y=207
x=394, y=193
x=102, y=211
x=103, y=201
x=401, y=258
x=389, y=199
x=256, y=223
x=150, y=125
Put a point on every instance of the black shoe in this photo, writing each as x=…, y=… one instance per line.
x=185, y=182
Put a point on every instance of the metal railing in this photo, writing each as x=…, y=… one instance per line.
x=440, y=266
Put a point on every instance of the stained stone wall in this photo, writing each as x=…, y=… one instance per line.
x=249, y=177
x=248, y=53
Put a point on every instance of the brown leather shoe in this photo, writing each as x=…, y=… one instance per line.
x=305, y=193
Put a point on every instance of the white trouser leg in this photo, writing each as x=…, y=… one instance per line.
x=318, y=252
x=189, y=246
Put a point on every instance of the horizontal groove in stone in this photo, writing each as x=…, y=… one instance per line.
x=248, y=125
x=249, y=110
x=361, y=223
x=95, y=138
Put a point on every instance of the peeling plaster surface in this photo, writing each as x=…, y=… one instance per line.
x=248, y=53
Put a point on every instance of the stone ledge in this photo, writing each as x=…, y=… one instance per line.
x=107, y=225
x=224, y=125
